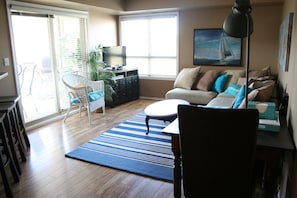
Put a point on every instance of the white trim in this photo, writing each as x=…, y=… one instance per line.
x=148, y=15
x=18, y=6
x=151, y=77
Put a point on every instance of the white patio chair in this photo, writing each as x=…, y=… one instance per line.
x=84, y=93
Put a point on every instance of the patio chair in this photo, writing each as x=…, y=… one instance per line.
x=84, y=93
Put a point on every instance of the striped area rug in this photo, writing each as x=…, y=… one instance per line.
x=127, y=147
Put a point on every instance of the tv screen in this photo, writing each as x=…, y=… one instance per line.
x=114, y=56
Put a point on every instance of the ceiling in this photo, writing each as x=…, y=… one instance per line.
x=125, y=6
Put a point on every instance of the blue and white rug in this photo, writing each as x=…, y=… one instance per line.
x=127, y=147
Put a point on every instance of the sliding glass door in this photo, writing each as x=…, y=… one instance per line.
x=46, y=47
x=35, y=68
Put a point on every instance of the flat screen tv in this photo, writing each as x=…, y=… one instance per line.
x=114, y=56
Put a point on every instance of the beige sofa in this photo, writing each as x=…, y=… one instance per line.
x=221, y=88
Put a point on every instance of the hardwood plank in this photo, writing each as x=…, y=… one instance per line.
x=48, y=173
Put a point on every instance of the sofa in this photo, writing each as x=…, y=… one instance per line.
x=222, y=88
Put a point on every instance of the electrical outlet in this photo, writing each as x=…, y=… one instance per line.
x=6, y=62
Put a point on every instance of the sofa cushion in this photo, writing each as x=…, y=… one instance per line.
x=186, y=77
x=221, y=102
x=265, y=89
x=260, y=73
x=265, y=93
x=207, y=80
x=224, y=95
x=192, y=96
x=235, y=75
x=233, y=89
x=242, y=81
x=219, y=84
x=251, y=96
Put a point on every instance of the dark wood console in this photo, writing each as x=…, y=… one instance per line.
x=126, y=86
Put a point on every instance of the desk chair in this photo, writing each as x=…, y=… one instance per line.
x=217, y=151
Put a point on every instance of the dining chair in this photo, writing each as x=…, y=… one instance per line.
x=84, y=93
x=217, y=151
x=6, y=159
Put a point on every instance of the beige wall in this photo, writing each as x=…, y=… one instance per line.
x=154, y=88
x=110, y=4
x=289, y=79
x=135, y=5
x=264, y=40
x=7, y=85
x=102, y=29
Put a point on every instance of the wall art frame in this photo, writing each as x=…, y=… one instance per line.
x=285, y=35
x=213, y=47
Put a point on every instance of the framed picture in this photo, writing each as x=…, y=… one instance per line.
x=214, y=47
x=285, y=41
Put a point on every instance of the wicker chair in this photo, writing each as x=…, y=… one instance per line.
x=84, y=93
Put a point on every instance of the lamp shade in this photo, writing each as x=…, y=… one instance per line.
x=235, y=25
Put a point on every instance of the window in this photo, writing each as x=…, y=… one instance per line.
x=151, y=42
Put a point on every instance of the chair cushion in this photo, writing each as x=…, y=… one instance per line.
x=95, y=95
x=74, y=100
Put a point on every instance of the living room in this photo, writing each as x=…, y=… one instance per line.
x=103, y=20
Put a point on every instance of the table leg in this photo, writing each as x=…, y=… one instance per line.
x=147, y=123
x=177, y=165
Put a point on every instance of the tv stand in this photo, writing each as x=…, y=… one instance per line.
x=126, y=86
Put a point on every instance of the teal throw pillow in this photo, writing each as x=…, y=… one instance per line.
x=240, y=97
x=233, y=89
x=220, y=83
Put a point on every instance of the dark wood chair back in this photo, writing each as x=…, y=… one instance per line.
x=217, y=149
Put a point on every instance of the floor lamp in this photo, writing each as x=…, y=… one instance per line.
x=239, y=24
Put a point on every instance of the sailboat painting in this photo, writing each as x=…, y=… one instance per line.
x=214, y=47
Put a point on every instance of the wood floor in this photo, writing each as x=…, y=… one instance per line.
x=48, y=173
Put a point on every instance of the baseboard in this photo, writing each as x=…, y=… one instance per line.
x=150, y=98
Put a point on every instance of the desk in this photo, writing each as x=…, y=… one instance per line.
x=269, y=141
